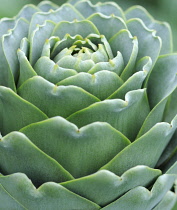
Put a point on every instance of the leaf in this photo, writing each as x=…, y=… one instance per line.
x=51, y=71
x=114, y=65
x=75, y=63
x=59, y=99
x=168, y=157
x=152, y=143
x=46, y=6
x=11, y=43
x=136, y=80
x=120, y=114
x=100, y=84
x=171, y=108
x=83, y=28
x=5, y=25
x=55, y=16
x=104, y=187
x=163, y=29
x=86, y=8
x=49, y=195
x=140, y=198
x=164, y=76
x=37, y=40
x=150, y=46
x=27, y=12
x=26, y=70
x=7, y=201
x=167, y=202
x=112, y=24
x=11, y=116
x=18, y=153
x=128, y=46
x=80, y=151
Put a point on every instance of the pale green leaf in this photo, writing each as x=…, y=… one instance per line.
x=15, y=112
x=59, y=98
x=18, y=153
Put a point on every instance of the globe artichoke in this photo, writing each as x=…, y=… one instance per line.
x=88, y=104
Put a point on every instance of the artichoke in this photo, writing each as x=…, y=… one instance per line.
x=88, y=109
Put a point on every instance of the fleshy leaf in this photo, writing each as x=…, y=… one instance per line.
x=83, y=28
x=66, y=42
x=18, y=153
x=66, y=12
x=163, y=29
x=49, y=70
x=101, y=84
x=149, y=46
x=104, y=186
x=114, y=65
x=112, y=24
x=80, y=151
x=61, y=101
x=11, y=43
x=5, y=25
x=120, y=114
x=49, y=195
x=26, y=70
x=46, y=6
x=7, y=201
x=167, y=202
x=169, y=155
x=75, y=63
x=164, y=76
x=86, y=8
x=128, y=46
x=157, y=137
x=37, y=40
x=11, y=115
x=141, y=198
x=171, y=108
x=27, y=12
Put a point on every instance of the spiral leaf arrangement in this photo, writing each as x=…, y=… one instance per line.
x=88, y=104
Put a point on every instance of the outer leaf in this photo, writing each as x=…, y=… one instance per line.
x=150, y=46
x=86, y=8
x=37, y=40
x=46, y=6
x=163, y=29
x=167, y=202
x=27, y=12
x=55, y=16
x=17, y=153
x=7, y=201
x=49, y=195
x=164, y=77
x=11, y=116
x=158, y=138
x=122, y=115
x=82, y=151
x=59, y=99
x=112, y=24
x=104, y=187
x=11, y=43
x=140, y=198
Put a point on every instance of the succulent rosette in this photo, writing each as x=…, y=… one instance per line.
x=88, y=105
